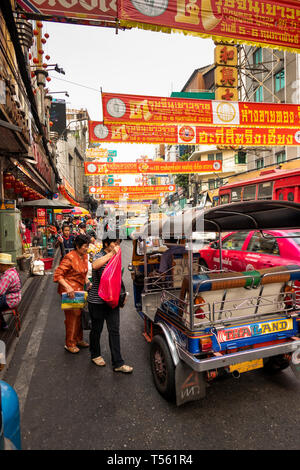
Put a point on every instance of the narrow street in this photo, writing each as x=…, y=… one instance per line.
x=67, y=403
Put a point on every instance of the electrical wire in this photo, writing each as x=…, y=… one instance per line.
x=77, y=84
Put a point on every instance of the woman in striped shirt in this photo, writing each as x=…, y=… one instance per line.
x=100, y=311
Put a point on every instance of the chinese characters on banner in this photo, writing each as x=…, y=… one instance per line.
x=226, y=72
x=159, y=110
x=151, y=167
x=185, y=134
x=258, y=22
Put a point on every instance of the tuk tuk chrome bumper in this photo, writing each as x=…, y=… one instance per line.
x=225, y=360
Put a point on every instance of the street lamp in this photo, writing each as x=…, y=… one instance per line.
x=65, y=92
x=74, y=120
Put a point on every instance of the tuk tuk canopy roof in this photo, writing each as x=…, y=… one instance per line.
x=249, y=215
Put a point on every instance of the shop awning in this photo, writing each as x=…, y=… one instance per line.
x=47, y=203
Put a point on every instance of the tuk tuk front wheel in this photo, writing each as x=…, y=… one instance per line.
x=162, y=367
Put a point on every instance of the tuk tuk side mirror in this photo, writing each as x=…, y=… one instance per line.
x=130, y=267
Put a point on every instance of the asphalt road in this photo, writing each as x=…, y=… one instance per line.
x=69, y=403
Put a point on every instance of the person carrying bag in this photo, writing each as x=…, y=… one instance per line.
x=103, y=304
x=71, y=276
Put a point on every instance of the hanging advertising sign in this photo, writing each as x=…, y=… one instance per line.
x=132, y=189
x=186, y=134
x=133, y=109
x=267, y=23
x=83, y=10
x=152, y=167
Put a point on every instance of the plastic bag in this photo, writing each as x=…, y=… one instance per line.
x=38, y=268
x=110, y=283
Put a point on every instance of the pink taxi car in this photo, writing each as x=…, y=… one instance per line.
x=246, y=251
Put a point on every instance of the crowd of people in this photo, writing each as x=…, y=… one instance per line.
x=83, y=258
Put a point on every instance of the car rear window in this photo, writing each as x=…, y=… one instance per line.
x=297, y=237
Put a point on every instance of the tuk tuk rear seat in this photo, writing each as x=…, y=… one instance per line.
x=235, y=294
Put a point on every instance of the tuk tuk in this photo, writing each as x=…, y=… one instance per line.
x=203, y=324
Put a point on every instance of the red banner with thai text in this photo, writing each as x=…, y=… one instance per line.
x=268, y=23
x=132, y=189
x=160, y=110
x=187, y=134
x=151, y=167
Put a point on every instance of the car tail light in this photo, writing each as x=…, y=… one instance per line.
x=206, y=343
x=199, y=312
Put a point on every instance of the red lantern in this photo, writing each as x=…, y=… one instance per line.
x=43, y=41
x=35, y=60
x=39, y=24
x=45, y=66
x=35, y=32
x=46, y=35
x=47, y=57
x=40, y=51
x=48, y=79
x=29, y=56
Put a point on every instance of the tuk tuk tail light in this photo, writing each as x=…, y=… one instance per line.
x=206, y=343
x=288, y=298
x=199, y=312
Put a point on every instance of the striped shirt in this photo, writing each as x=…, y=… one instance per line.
x=10, y=286
x=93, y=296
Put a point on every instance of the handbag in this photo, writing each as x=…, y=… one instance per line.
x=86, y=320
x=78, y=301
x=123, y=295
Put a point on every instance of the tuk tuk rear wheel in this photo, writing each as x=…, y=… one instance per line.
x=162, y=367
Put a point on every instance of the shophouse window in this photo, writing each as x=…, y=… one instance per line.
x=211, y=184
x=260, y=163
x=281, y=157
x=257, y=56
x=258, y=96
x=219, y=156
x=279, y=80
x=211, y=156
x=240, y=158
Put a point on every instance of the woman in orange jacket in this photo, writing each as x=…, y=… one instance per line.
x=71, y=276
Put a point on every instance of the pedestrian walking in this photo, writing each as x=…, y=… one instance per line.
x=99, y=311
x=10, y=286
x=65, y=241
x=71, y=276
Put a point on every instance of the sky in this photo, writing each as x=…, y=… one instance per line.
x=132, y=62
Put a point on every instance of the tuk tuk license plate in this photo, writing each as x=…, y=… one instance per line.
x=246, y=366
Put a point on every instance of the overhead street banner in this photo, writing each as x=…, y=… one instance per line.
x=133, y=109
x=84, y=10
x=152, y=167
x=187, y=134
x=102, y=13
x=130, y=196
x=132, y=189
x=265, y=23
